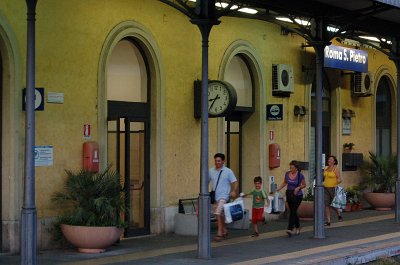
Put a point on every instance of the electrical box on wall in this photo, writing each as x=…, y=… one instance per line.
x=274, y=156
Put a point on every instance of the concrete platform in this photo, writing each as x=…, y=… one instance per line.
x=362, y=237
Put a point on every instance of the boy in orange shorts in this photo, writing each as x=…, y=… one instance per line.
x=260, y=200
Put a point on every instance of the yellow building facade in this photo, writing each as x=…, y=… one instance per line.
x=144, y=53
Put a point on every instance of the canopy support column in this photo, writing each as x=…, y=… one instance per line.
x=397, y=194
x=319, y=207
x=205, y=21
x=28, y=213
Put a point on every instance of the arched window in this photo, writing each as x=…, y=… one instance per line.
x=383, y=117
x=127, y=74
x=239, y=76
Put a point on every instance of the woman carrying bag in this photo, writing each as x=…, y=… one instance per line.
x=332, y=179
x=295, y=182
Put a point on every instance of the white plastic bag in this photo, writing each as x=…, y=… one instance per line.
x=279, y=204
x=340, y=198
x=268, y=209
x=234, y=211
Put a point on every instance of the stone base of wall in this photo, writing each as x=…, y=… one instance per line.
x=11, y=235
x=162, y=221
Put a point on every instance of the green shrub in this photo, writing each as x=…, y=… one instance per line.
x=379, y=173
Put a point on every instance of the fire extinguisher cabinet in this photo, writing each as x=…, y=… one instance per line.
x=91, y=156
x=274, y=156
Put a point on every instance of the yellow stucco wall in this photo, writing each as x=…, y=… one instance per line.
x=69, y=39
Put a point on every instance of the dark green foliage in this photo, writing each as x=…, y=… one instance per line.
x=91, y=199
x=353, y=194
x=348, y=145
x=379, y=173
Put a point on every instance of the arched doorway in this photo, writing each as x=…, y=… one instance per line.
x=11, y=186
x=384, y=117
x=128, y=141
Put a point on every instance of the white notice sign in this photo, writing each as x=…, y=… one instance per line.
x=55, y=97
x=43, y=156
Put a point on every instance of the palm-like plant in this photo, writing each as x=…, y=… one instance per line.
x=380, y=173
x=92, y=199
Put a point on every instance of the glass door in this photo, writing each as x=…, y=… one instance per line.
x=128, y=151
x=233, y=133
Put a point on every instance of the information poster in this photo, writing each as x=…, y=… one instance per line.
x=43, y=156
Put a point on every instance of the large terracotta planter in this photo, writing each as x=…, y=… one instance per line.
x=91, y=239
x=306, y=210
x=380, y=201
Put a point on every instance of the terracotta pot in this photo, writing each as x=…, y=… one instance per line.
x=348, y=207
x=354, y=207
x=91, y=239
x=306, y=210
x=380, y=201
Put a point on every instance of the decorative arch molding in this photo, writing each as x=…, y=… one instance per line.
x=11, y=136
x=142, y=36
x=255, y=62
x=384, y=70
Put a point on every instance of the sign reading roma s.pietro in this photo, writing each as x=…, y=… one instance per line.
x=346, y=58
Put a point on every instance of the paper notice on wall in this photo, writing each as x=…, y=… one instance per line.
x=43, y=156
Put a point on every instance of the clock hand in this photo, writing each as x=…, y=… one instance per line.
x=213, y=101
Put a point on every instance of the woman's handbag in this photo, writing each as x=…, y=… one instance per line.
x=212, y=193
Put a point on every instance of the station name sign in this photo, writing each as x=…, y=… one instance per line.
x=346, y=58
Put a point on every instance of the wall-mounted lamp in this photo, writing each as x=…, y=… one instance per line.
x=299, y=110
x=348, y=113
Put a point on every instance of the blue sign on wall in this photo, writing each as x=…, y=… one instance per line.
x=274, y=112
x=346, y=58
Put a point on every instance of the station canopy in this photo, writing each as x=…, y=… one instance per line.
x=368, y=21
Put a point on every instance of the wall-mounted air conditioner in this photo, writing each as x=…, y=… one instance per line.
x=282, y=79
x=362, y=84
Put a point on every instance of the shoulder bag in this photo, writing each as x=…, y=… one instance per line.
x=212, y=193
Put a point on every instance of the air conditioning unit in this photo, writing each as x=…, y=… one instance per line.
x=362, y=84
x=282, y=79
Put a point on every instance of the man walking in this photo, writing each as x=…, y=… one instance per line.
x=225, y=185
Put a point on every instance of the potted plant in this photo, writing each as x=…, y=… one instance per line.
x=306, y=208
x=353, y=194
x=94, y=204
x=379, y=176
x=348, y=147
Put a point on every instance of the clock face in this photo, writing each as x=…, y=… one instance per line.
x=221, y=98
